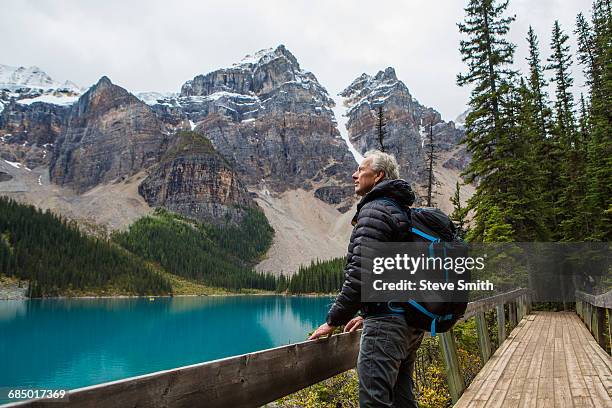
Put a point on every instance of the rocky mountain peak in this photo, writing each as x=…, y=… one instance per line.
x=104, y=81
x=104, y=95
x=374, y=90
x=109, y=134
x=33, y=77
x=387, y=75
x=268, y=55
x=260, y=75
x=407, y=122
x=271, y=120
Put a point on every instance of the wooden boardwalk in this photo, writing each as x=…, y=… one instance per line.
x=549, y=360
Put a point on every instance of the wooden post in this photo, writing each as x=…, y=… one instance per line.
x=512, y=314
x=484, y=342
x=501, y=323
x=589, y=317
x=521, y=309
x=448, y=350
x=600, y=319
x=529, y=302
x=610, y=328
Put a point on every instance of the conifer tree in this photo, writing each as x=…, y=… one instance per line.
x=431, y=157
x=599, y=150
x=560, y=63
x=537, y=84
x=381, y=127
x=459, y=212
x=573, y=225
x=489, y=56
x=545, y=144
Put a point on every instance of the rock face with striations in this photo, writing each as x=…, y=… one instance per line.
x=407, y=122
x=272, y=121
x=33, y=108
x=194, y=180
x=108, y=134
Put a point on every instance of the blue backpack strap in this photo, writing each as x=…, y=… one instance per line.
x=425, y=235
x=434, y=317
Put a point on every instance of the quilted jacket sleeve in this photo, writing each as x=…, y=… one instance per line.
x=374, y=224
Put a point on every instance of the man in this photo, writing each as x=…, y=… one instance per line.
x=388, y=345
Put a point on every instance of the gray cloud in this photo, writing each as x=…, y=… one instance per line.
x=158, y=45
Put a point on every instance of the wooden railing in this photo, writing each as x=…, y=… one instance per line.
x=592, y=310
x=255, y=379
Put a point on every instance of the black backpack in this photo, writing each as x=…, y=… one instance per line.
x=433, y=226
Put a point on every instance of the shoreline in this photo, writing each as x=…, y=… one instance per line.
x=168, y=296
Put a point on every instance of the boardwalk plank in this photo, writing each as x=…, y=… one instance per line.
x=552, y=361
x=576, y=381
x=599, y=395
x=517, y=386
x=546, y=389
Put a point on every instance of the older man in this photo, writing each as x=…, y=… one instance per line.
x=388, y=345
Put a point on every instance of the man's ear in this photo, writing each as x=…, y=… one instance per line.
x=379, y=177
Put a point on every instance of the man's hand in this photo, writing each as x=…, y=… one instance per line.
x=323, y=330
x=354, y=324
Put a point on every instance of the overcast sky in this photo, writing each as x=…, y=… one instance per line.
x=157, y=45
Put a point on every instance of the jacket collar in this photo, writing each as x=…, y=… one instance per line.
x=397, y=190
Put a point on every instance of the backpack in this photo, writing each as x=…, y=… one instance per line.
x=433, y=226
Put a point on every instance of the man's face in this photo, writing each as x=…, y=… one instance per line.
x=365, y=178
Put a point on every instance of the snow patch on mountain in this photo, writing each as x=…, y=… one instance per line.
x=460, y=120
x=373, y=91
x=29, y=85
x=55, y=99
x=260, y=57
x=33, y=78
x=155, y=98
x=341, y=118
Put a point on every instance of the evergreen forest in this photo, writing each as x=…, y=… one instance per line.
x=57, y=258
x=216, y=256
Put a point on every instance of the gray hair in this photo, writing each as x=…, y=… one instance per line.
x=383, y=162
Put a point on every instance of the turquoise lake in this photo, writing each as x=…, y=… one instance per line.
x=72, y=343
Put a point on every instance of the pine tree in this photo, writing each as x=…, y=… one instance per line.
x=496, y=228
x=560, y=63
x=431, y=157
x=595, y=50
x=530, y=214
x=489, y=57
x=381, y=127
x=537, y=84
x=573, y=225
x=459, y=212
x=586, y=52
x=544, y=142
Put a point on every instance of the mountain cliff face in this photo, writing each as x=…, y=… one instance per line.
x=407, y=122
x=109, y=133
x=272, y=121
x=33, y=108
x=194, y=180
x=407, y=126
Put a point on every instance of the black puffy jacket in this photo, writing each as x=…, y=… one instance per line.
x=375, y=220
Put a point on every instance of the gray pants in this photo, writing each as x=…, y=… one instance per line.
x=386, y=362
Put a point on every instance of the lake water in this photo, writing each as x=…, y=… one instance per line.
x=72, y=343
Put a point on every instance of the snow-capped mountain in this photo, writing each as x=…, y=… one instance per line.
x=270, y=118
x=29, y=85
x=32, y=78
